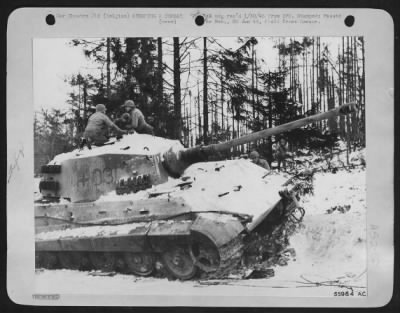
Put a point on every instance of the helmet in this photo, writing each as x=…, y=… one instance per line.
x=254, y=155
x=100, y=108
x=129, y=104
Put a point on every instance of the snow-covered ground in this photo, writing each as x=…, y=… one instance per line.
x=332, y=243
x=330, y=253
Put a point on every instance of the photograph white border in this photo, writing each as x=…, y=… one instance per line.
x=25, y=24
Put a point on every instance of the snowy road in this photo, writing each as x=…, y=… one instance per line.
x=287, y=280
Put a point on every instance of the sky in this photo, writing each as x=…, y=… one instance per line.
x=55, y=59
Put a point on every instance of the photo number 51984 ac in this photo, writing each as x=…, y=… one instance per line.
x=350, y=293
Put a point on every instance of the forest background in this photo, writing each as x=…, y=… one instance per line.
x=208, y=90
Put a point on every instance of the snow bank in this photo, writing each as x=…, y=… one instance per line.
x=341, y=188
x=327, y=161
x=332, y=244
x=141, y=144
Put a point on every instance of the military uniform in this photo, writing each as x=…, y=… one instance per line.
x=138, y=122
x=281, y=153
x=124, y=122
x=96, y=130
x=255, y=158
x=263, y=163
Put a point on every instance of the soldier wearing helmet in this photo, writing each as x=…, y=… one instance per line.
x=138, y=122
x=97, y=127
x=255, y=158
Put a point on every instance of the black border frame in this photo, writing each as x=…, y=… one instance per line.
x=7, y=6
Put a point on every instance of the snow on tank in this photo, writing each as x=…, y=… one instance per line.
x=86, y=174
x=235, y=186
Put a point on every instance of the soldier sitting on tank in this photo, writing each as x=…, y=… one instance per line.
x=96, y=131
x=255, y=158
x=282, y=152
x=138, y=122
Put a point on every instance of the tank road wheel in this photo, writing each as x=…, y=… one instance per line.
x=103, y=261
x=179, y=262
x=141, y=264
x=46, y=259
x=206, y=256
x=84, y=261
x=72, y=260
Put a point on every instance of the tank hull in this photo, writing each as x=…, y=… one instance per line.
x=147, y=237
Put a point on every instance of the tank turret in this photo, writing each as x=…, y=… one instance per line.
x=137, y=162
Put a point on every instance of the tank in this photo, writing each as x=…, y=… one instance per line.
x=143, y=204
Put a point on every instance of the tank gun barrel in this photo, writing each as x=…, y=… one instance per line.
x=177, y=162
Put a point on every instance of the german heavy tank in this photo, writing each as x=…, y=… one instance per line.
x=143, y=203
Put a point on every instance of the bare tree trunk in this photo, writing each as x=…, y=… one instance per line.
x=252, y=82
x=108, y=62
x=356, y=138
x=291, y=69
x=205, y=92
x=319, y=73
x=198, y=109
x=362, y=93
x=177, y=90
x=80, y=126
x=159, y=103
x=348, y=126
x=341, y=90
x=160, y=89
x=216, y=110
x=258, y=98
x=84, y=101
x=312, y=72
x=306, y=82
x=187, y=131
x=233, y=123
x=305, y=104
x=269, y=113
x=222, y=98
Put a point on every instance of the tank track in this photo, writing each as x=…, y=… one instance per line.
x=211, y=245
x=172, y=248
x=233, y=257
x=143, y=263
